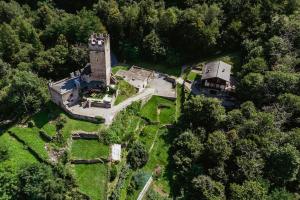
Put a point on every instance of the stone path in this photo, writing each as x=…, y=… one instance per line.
x=109, y=113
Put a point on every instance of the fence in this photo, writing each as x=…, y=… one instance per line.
x=145, y=189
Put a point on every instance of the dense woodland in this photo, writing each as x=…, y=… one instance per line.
x=252, y=152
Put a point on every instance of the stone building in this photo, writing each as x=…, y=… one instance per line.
x=95, y=75
x=99, y=53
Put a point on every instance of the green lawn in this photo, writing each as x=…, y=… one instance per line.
x=92, y=180
x=19, y=156
x=159, y=157
x=115, y=69
x=148, y=135
x=193, y=76
x=32, y=138
x=76, y=125
x=125, y=91
x=167, y=112
x=46, y=120
x=89, y=149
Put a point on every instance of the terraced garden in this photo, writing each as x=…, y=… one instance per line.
x=88, y=149
x=92, y=179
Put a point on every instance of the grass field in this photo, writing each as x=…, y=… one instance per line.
x=125, y=91
x=89, y=149
x=32, y=138
x=159, y=157
x=166, y=114
x=91, y=180
x=148, y=135
x=45, y=120
x=19, y=156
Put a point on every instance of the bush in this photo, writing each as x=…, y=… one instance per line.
x=113, y=172
x=31, y=124
x=4, y=154
x=60, y=123
x=137, y=156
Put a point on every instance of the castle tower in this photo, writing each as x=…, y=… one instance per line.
x=99, y=51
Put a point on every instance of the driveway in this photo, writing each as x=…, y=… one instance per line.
x=162, y=87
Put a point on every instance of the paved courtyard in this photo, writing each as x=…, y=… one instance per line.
x=162, y=87
x=109, y=113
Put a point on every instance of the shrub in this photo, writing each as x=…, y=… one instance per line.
x=137, y=156
x=113, y=173
x=4, y=154
x=31, y=124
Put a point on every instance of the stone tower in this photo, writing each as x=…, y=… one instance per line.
x=99, y=50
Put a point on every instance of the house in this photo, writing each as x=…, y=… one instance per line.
x=96, y=75
x=216, y=75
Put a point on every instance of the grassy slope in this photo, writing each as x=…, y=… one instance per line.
x=91, y=180
x=125, y=91
x=159, y=157
x=89, y=149
x=32, y=138
x=166, y=115
x=18, y=155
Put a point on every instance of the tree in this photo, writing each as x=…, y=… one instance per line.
x=9, y=185
x=188, y=149
x=137, y=156
x=37, y=181
x=249, y=190
x=291, y=104
x=283, y=165
x=252, y=83
x=27, y=93
x=217, y=147
x=205, y=112
x=281, y=194
x=203, y=187
x=256, y=65
x=153, y=47
x=248, y=163
x=9, y=42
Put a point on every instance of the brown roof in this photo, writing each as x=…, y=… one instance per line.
x=217, y=69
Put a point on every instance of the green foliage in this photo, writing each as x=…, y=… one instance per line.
x=9, y=42
x=204, y=187
x=217, y=147
x=8, y=184
x=113, y=173
x=38, y=182
x=201, y=111
x=137, y=156
x=125, y=90
x=4, y=153
x=248, y=190
x=27, y=93
x=283, y=164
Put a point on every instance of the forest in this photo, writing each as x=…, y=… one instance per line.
x=251, y=152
